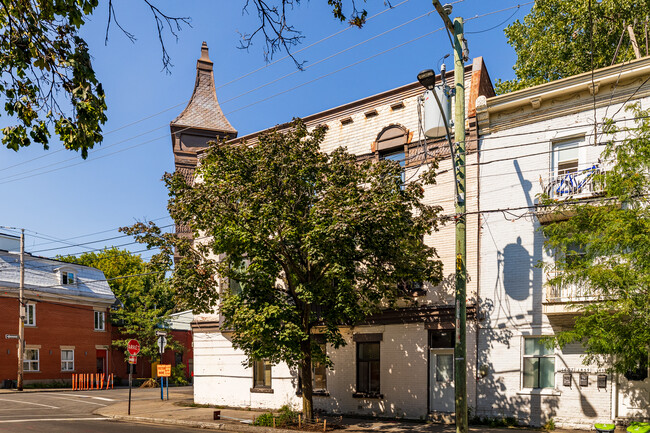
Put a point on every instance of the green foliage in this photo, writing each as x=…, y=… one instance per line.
x=328, y=241
x=286, y=417
x=48, y=81
x=147, y=299
x=178, y=375
x=554, y=40
x=613, y=267
x=549, y=425
x=264, y=420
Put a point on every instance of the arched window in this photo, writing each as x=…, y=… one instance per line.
x=392, y=144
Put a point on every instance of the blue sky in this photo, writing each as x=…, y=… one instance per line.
x=55, y=194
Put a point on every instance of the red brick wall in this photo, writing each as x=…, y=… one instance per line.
x=57, y=324
x=143, y=366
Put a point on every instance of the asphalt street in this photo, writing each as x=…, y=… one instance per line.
x=62, y=412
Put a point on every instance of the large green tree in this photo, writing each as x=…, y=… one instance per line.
x=49, y=86
x=557, y=38
x=314, y=240
x=604, y=249
x=142, y=289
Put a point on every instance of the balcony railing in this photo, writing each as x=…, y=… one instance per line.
x=569, y=292
x=573, y=183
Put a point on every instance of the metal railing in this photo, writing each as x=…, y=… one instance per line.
x=573, y=183
x=568, y=292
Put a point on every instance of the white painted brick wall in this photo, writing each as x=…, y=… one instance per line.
x=511, y=288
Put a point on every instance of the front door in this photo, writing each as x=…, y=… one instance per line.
x=441, y=380
x=101, y=360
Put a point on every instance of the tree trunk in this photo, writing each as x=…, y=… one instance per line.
x=306, y=375
x=307, y=390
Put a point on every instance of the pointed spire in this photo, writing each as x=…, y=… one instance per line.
x=204, y=62
x=203, y=110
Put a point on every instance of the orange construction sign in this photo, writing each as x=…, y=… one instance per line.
x=164, y=370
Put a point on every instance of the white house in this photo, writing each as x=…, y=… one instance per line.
x=537, y=140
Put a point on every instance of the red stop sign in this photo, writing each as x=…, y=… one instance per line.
x=133, y=347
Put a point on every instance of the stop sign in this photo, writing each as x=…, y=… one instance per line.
x=133, y=347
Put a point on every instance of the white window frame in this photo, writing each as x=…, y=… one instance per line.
x=65, y=277
x=29, y=363
x=101, y=314
x=524, y=356
x=67, y=364
x=27, y=322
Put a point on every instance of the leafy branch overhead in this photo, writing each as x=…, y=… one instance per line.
x=48, y=83
x=279, y=35
x=300, y=241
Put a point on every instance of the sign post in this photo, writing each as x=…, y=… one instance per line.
x=133, y=348
x=164, y=371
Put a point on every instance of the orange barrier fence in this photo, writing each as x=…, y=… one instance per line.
x=87, y=381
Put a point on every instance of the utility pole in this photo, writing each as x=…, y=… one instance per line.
x=460, y=346
x=21, y=313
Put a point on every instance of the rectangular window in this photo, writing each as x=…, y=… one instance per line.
x=100, y=321
x=398, y=157
x=539, y=364
x=30, y=360
x=236, y=286
x=318, y=374
x=368, y=368
x=565, y=157
x=261, y=374
x=67, y=278
x=30, y=315
x=67, y=360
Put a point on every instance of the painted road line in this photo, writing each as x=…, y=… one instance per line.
x=103, y=398
x=28, y=402
x=77, y=400
x=52, y=419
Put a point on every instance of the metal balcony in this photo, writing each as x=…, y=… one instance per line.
x=561, y=298
x=574, y=184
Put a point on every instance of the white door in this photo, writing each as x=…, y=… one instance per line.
x=441, y=380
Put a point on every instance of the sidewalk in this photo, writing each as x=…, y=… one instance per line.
x=177, y=411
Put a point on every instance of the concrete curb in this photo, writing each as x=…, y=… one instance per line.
x=234, y=428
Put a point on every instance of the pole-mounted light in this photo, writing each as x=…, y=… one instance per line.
x=427, y=78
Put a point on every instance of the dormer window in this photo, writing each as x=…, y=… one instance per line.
x=67, y=277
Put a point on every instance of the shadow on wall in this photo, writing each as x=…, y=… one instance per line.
x=518, y=267
x=496, y=398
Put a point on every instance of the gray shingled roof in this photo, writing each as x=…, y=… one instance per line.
x=41, y=275
x=203, y=110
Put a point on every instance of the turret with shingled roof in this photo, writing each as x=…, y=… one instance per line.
x=201, y=122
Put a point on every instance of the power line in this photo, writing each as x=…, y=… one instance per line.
x=92, y=242
x=326, y=58
x=334, y=72
x=313, y=44
x=86, y=235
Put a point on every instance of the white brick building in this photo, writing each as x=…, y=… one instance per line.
x=533, y=141
x=414, y=345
